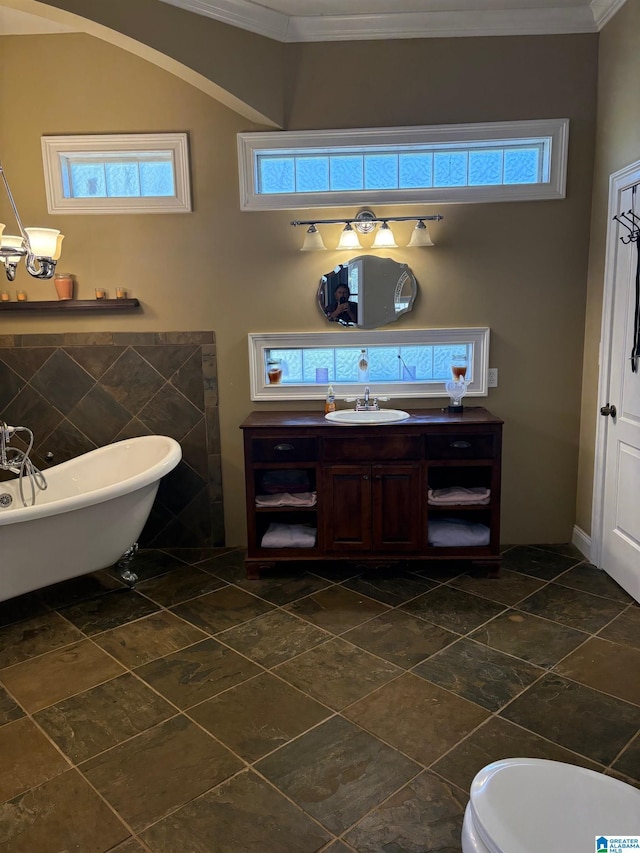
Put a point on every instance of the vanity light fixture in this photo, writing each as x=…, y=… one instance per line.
x=40, y=247
x=365, y=222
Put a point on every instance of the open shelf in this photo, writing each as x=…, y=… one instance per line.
x=71, y=305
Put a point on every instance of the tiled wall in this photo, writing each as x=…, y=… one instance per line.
x=80, y=391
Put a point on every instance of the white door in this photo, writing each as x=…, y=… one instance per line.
x=619, y=433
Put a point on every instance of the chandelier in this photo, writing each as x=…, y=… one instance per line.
x=40, y=247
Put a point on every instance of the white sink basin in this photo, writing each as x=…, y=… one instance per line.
x=383, y=416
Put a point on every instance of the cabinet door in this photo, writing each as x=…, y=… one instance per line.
x=397, y=508
x=347, y=507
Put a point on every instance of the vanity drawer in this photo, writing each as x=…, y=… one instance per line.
x=461, y=446
x=368, y=448
x=286, y=449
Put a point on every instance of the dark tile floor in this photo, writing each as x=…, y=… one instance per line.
x=335, y=710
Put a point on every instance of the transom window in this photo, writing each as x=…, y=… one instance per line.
x=409, y=167
x=499, y=161
x=124, y=173
x=407, y=363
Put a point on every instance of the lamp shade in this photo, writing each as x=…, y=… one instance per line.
x=420, y=235
x=313, y=241
x=384, y=238
x=10, y=241
x=349, y=238
x=43, y=241
x=58, y=251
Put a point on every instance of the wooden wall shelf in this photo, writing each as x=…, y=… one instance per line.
x=71, y=305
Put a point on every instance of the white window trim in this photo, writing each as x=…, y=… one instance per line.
x=505, y=132
x=260, y=343
x=54, y=146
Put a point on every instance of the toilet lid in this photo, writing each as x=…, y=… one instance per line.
x=529, y=805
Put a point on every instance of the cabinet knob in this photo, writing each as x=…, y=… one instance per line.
x=460, y=445
x=283, y=447
x=365, y=476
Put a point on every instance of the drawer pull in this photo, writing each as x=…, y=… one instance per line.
x=460, y=445
x=283, y=447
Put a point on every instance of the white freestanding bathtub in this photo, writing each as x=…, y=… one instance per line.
x=91, y=513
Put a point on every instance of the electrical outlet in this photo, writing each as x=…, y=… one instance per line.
x=492, y=377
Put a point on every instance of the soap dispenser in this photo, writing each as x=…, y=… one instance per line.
x=363, y=367
x=330, y=402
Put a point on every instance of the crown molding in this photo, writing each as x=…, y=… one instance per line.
x=560, y=19
x=404, y=25
x=256, y=18
x=240, y=13
x=604, y=10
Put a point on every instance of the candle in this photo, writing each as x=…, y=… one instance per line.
x=100, y=293
x=21, y=296
x=4, y=296
x=121, y=293
x=64, y=285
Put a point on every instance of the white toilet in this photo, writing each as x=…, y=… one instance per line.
x=529, y=805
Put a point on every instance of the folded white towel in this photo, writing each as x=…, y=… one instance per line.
x=456, y=532
x=459, y=495
x=287, y=499
x=289, y=536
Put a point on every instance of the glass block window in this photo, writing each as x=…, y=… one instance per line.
x=498, y=161
x=413, y=363
x=127, y=173
x=397, y=364
x=117, y=177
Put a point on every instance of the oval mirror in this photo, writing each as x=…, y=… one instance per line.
x=367, y=292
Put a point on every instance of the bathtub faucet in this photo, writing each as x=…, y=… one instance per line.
x=19, y=462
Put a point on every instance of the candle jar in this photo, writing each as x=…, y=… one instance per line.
x=21, y=296
x=121, y=293
x=101, y=293
x=64, y=285
x=4, y=296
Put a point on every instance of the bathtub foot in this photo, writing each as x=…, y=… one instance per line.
x=123, y=563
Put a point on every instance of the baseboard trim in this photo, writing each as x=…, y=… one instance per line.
x=582, y=541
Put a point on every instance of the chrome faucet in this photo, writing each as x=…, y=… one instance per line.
x=366, y=404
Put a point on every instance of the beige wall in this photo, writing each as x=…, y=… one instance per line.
x=518, y=268
x=243, y=70
x=617, y=146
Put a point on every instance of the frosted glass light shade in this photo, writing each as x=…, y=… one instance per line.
x=313, y=241
x=58, y=251
x=349, y=238
x=43, y=241
x=2, y=227
x=10, y=241
x=384, y=238
x=421, y=236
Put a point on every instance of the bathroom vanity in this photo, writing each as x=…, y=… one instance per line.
x=372, y=484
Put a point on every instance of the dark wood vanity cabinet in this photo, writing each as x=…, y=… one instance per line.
x=371, y=484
